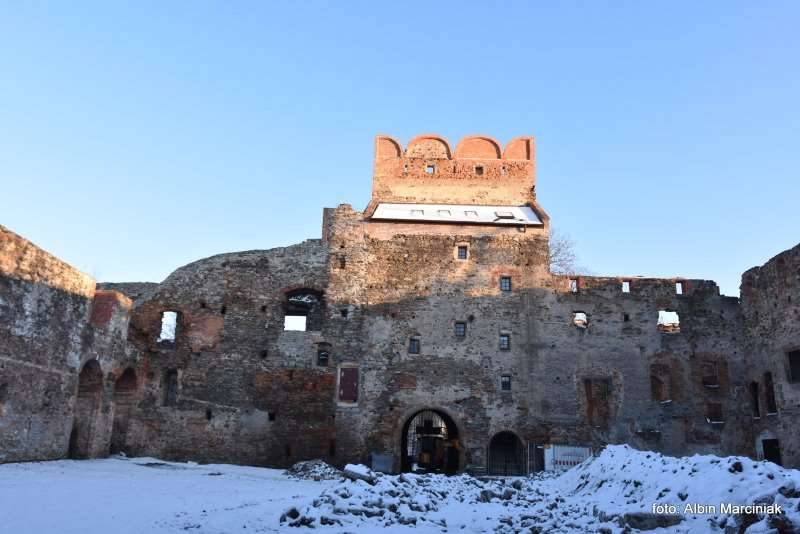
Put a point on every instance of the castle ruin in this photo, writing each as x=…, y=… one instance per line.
x=425, y=332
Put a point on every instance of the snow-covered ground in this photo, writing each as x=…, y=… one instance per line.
x=605, y=494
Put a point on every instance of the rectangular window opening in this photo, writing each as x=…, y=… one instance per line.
x=714, y=413
x=580, y=319
x=679, y=288
x=342, y=262
x=295, y=323
x=794, y=365
x=668, y=321
x=170, y=387
x=413, y=345
x=626, y=286
x=710, y=371
x=505, y=382
x=323, y=357
x=479, y=170
x=169, y=326
x=472, y=214
x=505, y=283
x=430, y=169
x=444, y=213
x=461, y=329
x=462, y=252
x=573, y=285
x=505, y=341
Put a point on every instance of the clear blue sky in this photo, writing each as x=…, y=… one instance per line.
x=136, y=137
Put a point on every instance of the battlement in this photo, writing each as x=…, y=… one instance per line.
x=478, y=172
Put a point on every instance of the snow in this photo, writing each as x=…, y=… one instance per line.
x=607, y=492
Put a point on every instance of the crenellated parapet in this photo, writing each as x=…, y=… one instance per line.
x=479, y=171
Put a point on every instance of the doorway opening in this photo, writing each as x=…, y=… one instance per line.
x=506, y=455
x=90, y=392
x=430, y=444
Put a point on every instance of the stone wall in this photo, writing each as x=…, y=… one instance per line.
x=397, y=324
x=49, y=328
x=771, y=307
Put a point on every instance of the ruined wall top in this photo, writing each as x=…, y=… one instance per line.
x=22, y=260
x=478, y=172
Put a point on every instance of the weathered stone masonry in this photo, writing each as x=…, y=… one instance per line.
x=435, y=334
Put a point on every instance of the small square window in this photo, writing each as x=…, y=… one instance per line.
x=505, y=341
x=626, y=287
x=580, y=319
x=573, y=285
x=479, y=170
x=679, y=288
x=344, y=312
x=430, y=169
x=271, y=416
x=461, y=329
x=413, y=345
x=505, y=283
x=462, y=252
x=471, y=214
x=505, y=382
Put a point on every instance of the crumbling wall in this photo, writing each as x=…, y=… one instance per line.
x=51, y=323
x=770, y=297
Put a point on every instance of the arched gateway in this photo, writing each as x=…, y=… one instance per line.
x=430, y=443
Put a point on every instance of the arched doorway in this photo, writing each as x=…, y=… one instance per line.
x=506, y=455
x=124, y=398
x=90, y=393
x=430, y=443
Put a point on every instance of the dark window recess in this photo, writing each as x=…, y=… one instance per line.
x=209, y=414
x=658, y=391
x=505, y=283
x=223, y=310
x=598, y=400
x=342, y=262
x=332, y=448
x=479, y=170
x=348, y=384
x=714, y=412
x=264, y=308
x=461, y=329
x=505, y=341
x=462, y=252
x=413, y=345
x=264, y=353
x=288, y=452
x=754, y=399
x=794, y=365
x=626, y=317
x=323, y=357
x=710, y=376
x=271, y=416
x=344, y=312
x=769, y=394
x=505, y=383
x=170, y=387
